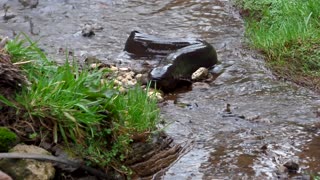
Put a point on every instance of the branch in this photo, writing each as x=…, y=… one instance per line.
x=42, y=157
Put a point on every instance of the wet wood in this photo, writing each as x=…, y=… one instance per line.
x=151, y=157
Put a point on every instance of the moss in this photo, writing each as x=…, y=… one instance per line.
x=7, y=139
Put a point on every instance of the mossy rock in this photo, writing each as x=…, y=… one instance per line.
x=7, y=139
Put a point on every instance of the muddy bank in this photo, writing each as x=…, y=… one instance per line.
x=268, y=122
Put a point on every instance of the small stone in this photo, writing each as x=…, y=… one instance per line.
x=292, y=167
x=131, y=73
x=114, y=69
x=128, y=77
x=218, y=69
x=200, y=74
x=142, y=78
x=29, y=3
x=122, y=89
x=282, y=169
x=104, y=82
x=92, y=60
x=124, y=69
x=95, y=65
x=119, y=78
x=28, y=169
x=4, y=176
x=253, y=117
x=132, y=82
x=155, y=94
x=228, y=108
x=8, y=15
x=117, y=82
x=138, y=77
x=124, y=81
x=87, y=31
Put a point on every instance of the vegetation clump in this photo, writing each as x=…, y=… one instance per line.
x=70, y=105
x=7, y=139
x=287, y=32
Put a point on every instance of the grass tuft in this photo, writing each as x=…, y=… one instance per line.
x=76, y=108
x=287, y=32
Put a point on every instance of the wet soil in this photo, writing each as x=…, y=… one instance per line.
x=268, y=122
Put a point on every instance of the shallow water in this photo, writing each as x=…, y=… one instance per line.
x=271, y=122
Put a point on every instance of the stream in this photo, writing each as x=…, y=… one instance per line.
x=245, y=124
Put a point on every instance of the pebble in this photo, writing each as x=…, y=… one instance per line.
x=4, y=176
x=124, y=69
x=155, y=94
x=292, y=167
x=114, y=69
x=200, y=74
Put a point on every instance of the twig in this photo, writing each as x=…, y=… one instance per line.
x=42, y=157
x=23, y=62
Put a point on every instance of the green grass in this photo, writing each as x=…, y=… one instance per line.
x=74, y=107
x=286, y=31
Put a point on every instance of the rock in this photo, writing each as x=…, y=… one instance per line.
x=138, y=77
x=119, y=78
x=29, y=3
x=200, y=74
x=28, y=169
x=142, y=78
x=124, y=69
x=92, y=60
x=117, y=82
x=185, y=62
x=144, y=45
x=181, y=57
x=218, y=69
x=95, y=65
x=7, y=139
x=124, y=77
x=292, y=167
x=122, y=89
x=89, y=30
x=158, y=95
x=132, y=82
x=114, y=69
x=7, y=15
x=4, y=176
x=282, y=170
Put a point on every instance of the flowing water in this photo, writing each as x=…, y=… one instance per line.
x=267, y=123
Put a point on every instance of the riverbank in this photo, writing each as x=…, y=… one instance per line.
x=80, y=108
x=287, y=33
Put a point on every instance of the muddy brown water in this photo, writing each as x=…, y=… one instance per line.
x=271, y=121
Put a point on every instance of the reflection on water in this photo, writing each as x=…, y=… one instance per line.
x=267, y=123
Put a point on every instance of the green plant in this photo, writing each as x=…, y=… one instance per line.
x=73, y=104
x=136, y=110
x=287, y=32
x=7, y=138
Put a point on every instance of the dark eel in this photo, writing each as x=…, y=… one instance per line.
x=180, y=57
